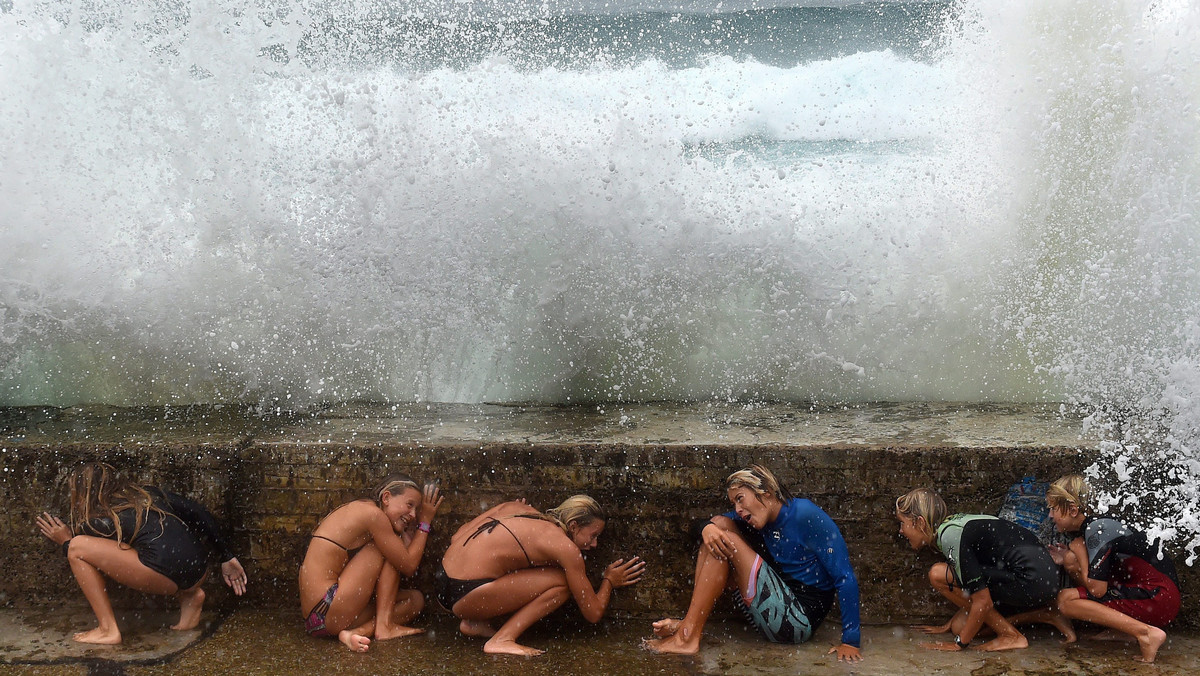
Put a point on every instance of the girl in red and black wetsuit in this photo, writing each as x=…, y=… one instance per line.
x=1125, y=582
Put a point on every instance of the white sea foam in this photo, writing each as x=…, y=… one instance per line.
x=476, y=233
x=197, y=209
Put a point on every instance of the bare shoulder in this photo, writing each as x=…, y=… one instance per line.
x=513, y=507
x=548, y=542
x=352, y=517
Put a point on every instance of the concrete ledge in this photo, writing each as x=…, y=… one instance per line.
x=654, y=468
x=271, y=641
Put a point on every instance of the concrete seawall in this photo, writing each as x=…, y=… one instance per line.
x=655, y=468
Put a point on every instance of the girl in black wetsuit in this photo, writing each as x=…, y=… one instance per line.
x=994, y=568
x=142, y=537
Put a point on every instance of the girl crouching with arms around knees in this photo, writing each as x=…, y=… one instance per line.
x=360, y=550
x=143, y=537
x=786, y=598
x=514, y=565
x=993, y=568
x=1125, y=582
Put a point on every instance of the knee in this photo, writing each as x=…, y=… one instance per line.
x=1066, y=598
x=78, y=548
x=939, y=575
x=558, y=594
x=414, y=599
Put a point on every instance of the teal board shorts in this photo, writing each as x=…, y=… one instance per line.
x=774, y=608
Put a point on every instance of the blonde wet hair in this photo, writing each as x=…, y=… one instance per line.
x=97, y=491
x=923, y=503
x=393, y=484
x=760, y=480
x=578, y=509
x=1069, y=491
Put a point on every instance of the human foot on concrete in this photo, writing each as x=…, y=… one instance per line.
x=1013, y=641
x=1149, y=643
x=99, y=636
x=480, y=628
x=1064, y=625
x=355, y=642
x=509, y=647
x=395, y=631
x=191, y=602
x=679, y=643
x=666, y=627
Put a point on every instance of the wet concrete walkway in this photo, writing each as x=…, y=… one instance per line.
x=271, y=641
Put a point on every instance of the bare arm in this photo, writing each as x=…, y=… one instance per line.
x=404, y=556
x=1075, y=561
x=593, y=604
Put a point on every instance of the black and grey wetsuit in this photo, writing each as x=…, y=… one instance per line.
x=178, y=545
x=1003, y=557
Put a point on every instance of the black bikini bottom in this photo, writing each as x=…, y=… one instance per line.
x=450, y=591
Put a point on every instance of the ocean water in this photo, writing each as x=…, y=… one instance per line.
x=287, y=202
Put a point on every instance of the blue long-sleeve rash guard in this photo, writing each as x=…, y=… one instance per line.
x=809, y=548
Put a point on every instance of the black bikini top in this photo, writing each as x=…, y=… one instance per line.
x=490, y=525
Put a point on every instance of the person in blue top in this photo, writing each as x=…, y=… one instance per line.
x=783, y=557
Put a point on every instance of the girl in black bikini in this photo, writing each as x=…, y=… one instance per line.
x=515, y=563
x=142, y=537
x=360, y=550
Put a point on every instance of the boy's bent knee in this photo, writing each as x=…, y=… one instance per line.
x=939, y=575
x=1066, y=596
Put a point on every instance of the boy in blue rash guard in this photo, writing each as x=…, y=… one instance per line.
x=783, y=556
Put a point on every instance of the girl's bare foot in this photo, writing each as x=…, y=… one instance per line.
x=1013, y=641
x=480, y=628
x=1150, y=643
x=191, y=602
x=102, y=636
x=357, y=643
x=395, y=631
x=666, y=627
x=509, y=647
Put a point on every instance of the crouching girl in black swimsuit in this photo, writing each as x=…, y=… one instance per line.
x=514, y=561
x=358, y=551
x=993, y=568
x=142, y=537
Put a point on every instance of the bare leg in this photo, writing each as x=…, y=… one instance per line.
x=357, y=637
x=91, y=558
x=1149, y=637
x=1050, y=617
x=191, y=602
x=351, y=614
x=526, y=596
x=712, y=576
x=1007, y=636
x=395, y=608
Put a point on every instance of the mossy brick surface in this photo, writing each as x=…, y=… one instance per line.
x=272, y=483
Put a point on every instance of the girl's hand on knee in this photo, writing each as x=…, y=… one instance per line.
x=234, y=575
x=54, y=528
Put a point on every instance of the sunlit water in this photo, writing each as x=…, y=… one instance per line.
x=289, y=202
